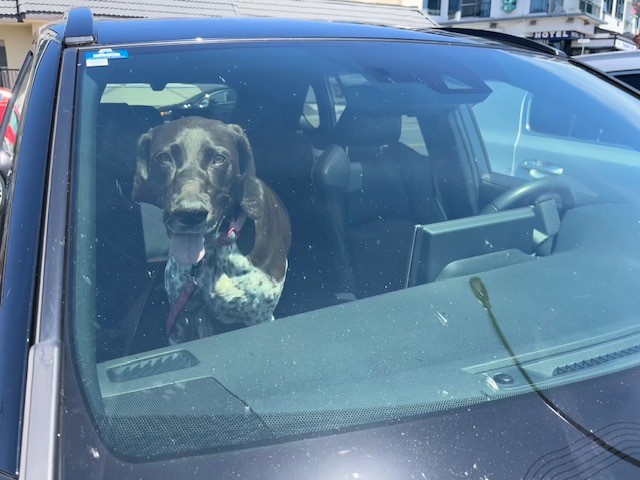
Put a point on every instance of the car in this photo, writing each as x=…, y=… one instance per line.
x=5, y=95
x=623, y=65
x=211, y=97
x=441, y=316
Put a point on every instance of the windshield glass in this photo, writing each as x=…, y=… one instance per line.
x=275, y=240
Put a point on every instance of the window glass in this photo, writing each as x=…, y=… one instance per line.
x=144, y=94
x=539, y=6
x=235, y=280
x=632, y=79
x=500, y=119
x=411, y=134
x=337, y=86
x=311, y=111
x=513, y=119
x=475, y=8
x=10, y=135
x=433, y=7
x=12, y=123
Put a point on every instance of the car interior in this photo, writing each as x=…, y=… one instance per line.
x=359, y=167
x=353, y=192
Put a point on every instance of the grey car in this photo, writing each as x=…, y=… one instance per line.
x=623, y=65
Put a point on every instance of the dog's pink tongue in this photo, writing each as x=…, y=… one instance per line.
x=187, y=248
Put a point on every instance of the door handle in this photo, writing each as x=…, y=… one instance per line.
x=541, y=168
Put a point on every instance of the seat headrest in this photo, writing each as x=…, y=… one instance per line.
x=120, y=126
x=147, y=115
x=141, y=116
x=361, y=130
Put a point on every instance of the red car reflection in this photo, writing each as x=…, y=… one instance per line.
x=10, y=135
x=5, y=95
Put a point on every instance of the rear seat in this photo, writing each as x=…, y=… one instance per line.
x=121, y=250
x=284, y=157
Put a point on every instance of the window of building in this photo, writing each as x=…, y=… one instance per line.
x=589, y=6
x=619, y=9
x=476, y=8
x=433, y=6
x=608, y=6
x=539, y=6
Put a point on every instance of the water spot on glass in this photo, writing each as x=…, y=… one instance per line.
x=95, y=454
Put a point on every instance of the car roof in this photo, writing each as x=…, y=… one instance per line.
x=612, y=61
x=109, y=32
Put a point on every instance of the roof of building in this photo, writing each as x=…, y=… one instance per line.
x=335, y=10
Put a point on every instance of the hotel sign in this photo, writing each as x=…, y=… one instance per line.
x=508, y=6
x=556, y=35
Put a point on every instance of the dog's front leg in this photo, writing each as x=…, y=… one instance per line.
x=243, y=293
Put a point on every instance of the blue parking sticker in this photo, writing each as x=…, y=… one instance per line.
x=101, y=57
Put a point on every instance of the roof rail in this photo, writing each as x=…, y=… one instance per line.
x=79, y=27
x=507, y=38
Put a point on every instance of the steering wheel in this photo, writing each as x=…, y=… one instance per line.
x=528, y=193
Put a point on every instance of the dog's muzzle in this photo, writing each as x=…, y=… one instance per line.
x=187, y=229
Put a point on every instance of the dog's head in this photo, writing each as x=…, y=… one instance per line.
x=192, y=168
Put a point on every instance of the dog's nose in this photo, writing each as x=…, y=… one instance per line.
x=191, y=217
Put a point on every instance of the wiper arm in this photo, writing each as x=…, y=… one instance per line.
x=480, y=291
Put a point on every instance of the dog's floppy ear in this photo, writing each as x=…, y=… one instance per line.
x=245, y=154
x=250, y=189
x=141, y=188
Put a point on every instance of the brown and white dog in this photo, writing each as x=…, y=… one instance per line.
x=201, y=173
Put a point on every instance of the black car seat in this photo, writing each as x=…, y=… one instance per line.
x=372, y=190
x=121, y=252
x=284, y=158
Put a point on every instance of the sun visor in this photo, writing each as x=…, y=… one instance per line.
x=414, y=98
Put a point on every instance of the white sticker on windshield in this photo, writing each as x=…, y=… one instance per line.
x=101, y=57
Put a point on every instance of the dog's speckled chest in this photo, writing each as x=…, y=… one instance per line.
x=229, y=288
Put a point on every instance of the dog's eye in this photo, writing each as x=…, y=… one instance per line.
x=163, y=158
x=218, y=159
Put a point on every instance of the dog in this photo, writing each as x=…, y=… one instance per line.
x=201, y=173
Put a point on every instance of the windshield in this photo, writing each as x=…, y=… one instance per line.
x=276, y=240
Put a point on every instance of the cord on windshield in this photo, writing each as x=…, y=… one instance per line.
x=480, y=291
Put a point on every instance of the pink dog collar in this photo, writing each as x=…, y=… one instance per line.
x=234, y=230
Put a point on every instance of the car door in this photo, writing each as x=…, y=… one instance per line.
x=12, y=359
x=26, y=171
x=529, y=136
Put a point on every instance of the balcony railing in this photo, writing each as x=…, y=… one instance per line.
x=593, y=7
x=8, y=77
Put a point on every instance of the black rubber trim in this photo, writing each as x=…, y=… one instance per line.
x=507, y=39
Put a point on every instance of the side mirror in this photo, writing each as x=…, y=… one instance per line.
x=2, y=196
x=6, y=163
